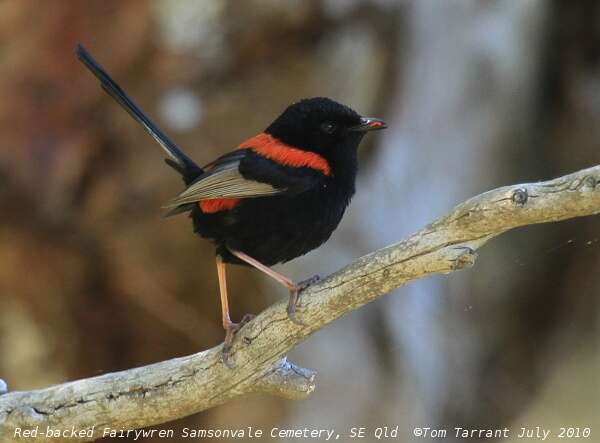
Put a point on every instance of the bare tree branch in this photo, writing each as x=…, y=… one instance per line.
x=179, y=387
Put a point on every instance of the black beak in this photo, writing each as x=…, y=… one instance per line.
x=369, y=124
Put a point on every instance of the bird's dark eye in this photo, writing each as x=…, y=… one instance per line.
x=328, y=127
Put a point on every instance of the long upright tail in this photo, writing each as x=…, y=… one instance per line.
x=178, y=160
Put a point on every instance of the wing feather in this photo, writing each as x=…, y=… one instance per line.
x=223, y=180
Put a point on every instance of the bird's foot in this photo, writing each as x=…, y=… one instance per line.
x=230, y=330
x=295, y=295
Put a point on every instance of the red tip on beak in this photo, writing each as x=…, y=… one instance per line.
x=369, y=124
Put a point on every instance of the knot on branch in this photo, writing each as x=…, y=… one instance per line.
x=589, y=183
x=520, y=196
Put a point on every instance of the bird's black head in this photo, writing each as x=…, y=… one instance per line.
x=323, y=126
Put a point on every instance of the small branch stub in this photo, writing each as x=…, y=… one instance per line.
x=464, y=259
x=288, y=381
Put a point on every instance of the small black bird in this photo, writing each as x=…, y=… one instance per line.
x=276, y=197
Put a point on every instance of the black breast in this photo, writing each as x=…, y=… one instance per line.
x=276, y=229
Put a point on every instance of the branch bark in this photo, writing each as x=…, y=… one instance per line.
x=179, y=387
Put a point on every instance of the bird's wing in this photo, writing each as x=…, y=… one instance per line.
x=223, y=179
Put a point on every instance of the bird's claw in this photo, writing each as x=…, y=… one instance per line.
x=230, y=330
x=306, y=283
x=295, y=295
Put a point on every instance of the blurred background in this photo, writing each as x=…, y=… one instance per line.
x=477, y=94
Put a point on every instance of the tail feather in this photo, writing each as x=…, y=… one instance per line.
x=178, y=159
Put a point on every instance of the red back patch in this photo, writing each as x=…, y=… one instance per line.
x=273, y=149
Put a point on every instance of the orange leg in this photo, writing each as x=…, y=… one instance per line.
x=294, y=288
x=230, y=327
x=221, y=271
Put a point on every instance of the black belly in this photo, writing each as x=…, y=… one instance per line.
x=274, y=229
